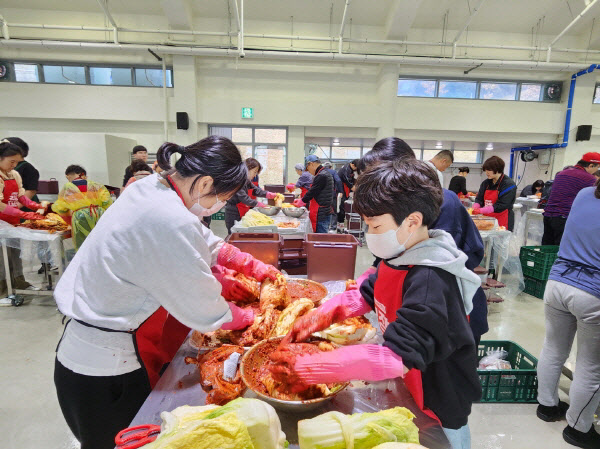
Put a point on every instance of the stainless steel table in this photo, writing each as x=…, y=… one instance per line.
x=179, y=385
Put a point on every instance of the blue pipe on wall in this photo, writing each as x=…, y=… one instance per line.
x=565, y=141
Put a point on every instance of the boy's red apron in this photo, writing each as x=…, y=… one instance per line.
x=490, y=197
x=388, y=299
x=242, y=208
x=11, y=197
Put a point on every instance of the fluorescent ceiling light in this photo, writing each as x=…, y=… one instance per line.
x=490, y=146
x=439, y=145
x=336, y=141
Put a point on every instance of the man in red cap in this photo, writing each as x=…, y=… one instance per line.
x=565, y=188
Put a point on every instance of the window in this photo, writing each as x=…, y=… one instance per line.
x=27, y=73
x=152, y=77
x=429, y=154
x=107, y=76
x=498, y=91
x=416, y=88
x=60, y=74
x=267, y=145
x=349, y=153
x=467, y=157
x=457, y=89
x=530, y=92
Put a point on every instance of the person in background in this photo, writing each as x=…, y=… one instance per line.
x=441, y=162
x=347, y=175
x=338, y=191
x=140, y=170
x=319, y=196
x=245, y=198
x=128, y=314
x=156, y=168
x=29, y=174
x=567, y=184
x=458, y=184
x=453, y=218
x=572, y=306
x=81, y=203
x=305, y=179
x=497, y=194
x=421, y=293
x=12, y=196
x=533, y=189
x=139, y=153
x=597, y=175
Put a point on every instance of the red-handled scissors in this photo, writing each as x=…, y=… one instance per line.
x=137, y=436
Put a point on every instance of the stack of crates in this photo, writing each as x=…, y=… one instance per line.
x=536, y=262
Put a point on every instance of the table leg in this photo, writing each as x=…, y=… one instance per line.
x=6, y=268
x=487, y=253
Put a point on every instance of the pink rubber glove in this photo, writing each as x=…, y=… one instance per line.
x=233, y=289
x=259, y=204
x=29, y=204
x=345, y=305
x=299, y=203
x=291, y=187
x=242, y=318
x=476, y=208
x=14, y=212
x=271, y=195
x=487, y=210
x=361, y=362
x=234, y=259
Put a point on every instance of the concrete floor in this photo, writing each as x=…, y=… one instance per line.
x=30, y=417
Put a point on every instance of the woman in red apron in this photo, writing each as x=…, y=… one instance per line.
x=497, y=194
x=140, y=282
x=11, y=199
x=245, y=198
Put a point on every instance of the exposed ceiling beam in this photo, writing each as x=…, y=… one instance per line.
x=401, y=18
x=573, y=23
x=341, y=35
x=178, y=13
x=471, y=17
x=104, y=7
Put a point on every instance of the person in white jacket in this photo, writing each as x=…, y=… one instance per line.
x=140, y=281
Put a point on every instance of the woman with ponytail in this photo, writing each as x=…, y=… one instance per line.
x=141, y=280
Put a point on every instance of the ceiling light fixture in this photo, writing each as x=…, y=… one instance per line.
x=490, y=146
x=336, y=141
x=439, y=145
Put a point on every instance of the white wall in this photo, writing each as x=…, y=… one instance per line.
x=118, y=156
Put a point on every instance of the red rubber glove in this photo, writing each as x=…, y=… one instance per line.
x=487, y=210
x=232, y=288
x=259, y=204
x=271, y=195
x=361, y=362
x=242, y=318
x=234, y=259
x=345, y=305
x=14, y=212
x=299, y=203
x=30, y=204
x=291, y=187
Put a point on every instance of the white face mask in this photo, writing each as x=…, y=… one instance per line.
x=200, y=211
x=386, y=245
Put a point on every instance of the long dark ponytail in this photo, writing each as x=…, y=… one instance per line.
x=214, y=156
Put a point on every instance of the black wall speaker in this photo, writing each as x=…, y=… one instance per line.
x=183, y=121
x=584, y=132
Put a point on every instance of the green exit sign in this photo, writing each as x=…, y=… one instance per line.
x=247, y=113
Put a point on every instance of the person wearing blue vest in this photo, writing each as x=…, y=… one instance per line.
x=572, y=305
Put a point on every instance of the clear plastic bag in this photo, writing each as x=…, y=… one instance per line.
x=495, y=360
x=507, y=249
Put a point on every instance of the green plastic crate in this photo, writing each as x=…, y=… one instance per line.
x=537, y=261
x=510, y=385
x=535, y=287
x=218, y=216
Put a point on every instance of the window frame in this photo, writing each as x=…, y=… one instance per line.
x=479, y=81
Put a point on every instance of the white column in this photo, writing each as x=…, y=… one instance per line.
x=386, y=95
x=184, y=98
x=295, y=151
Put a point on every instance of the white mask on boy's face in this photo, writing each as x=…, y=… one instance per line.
x=386, y=245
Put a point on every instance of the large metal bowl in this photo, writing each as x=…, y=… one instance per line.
x=295, y=212
x=254, y=357
x=269, y=210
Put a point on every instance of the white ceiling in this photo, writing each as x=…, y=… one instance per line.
x=515, y=16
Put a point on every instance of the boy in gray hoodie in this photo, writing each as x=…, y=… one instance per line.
x=422, y=293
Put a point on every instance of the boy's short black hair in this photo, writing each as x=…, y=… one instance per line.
x=20, y=143
x=139, y=165
x=75, y=170
x=138, y=148
x=388, y=149
x=464, y=170
x=399, y=188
